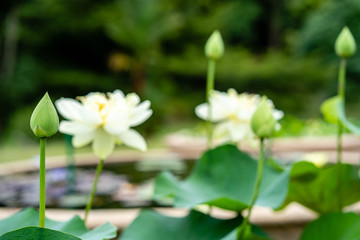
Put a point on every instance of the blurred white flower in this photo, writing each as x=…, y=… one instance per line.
x=319, y=159
x=104, y=120
x=232, y=112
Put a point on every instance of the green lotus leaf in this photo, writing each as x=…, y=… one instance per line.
x=194, y=226
x=318, y=189
x=256, y=234
x=303, y=171
x=37, y=233
x=334, y=226
x=75, y=226
x=224, y=177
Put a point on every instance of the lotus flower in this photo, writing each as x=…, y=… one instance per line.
x=104, y=120
x=233, y=113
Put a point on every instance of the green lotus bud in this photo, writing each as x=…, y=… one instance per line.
x=214, y=47
x=263, y=122
x=44, y=120
x=345, y=45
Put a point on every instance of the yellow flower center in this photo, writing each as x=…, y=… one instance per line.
x=101, y=106
x=233, y=117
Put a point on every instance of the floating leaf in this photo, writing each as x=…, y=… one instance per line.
x=37, y=233
x=318, y=189
x=224, y=177
x=334, y=226
x=75, y=226
x=194, y=226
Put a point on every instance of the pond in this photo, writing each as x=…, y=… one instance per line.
x=121, y=185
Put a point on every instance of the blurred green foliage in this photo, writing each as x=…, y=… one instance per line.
x=293, y=126
x=283, y=49
x=323, y=26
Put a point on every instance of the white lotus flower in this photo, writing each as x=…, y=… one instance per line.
x=104, y=120
x=232, y=112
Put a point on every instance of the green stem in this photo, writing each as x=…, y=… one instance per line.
x=71, y=171
x=339, y=166
x=256, y=190
x=42, y=203
x=210, y=82
x=342, y=78
x=210, y=209
x=93, y=190
x=341, y=94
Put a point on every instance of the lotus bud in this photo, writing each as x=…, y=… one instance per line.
x=44, y=120
x=345, y=45
x=263, y=122
x=214, y=47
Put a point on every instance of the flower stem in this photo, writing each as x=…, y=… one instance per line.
x=210, y=82
x=93, y=190
x=339, y=166
x=42, y=203
x=71, y=171
x=341, y=94
x=342, y=78
x=256, y=190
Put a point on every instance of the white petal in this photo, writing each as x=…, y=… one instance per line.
x=221, y=132
x=277, y=114
x=115, y=128
x=239, y=131
x=140, y=116
x=133, y=139
x=217, y=113
x=81, y=140
x=117, y=94
x=202, y=111
x=232, y=131
x=117, y=122
x=103, y=144
x=73, y=110
x=117, y=97
x=69, y=108
x=74, y=128
x=143, y=106
x=132, y=99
